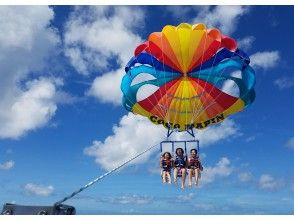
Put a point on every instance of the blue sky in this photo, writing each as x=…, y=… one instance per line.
x=62, y=123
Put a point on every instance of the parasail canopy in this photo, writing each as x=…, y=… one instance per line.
x=188, y=77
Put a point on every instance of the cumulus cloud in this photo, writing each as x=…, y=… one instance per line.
x=27, y=38
x=7, y=165
x=224, y=17
x=29, y=108
x=290, y=143
x=245, y=177
x=223, y=168
x=180, y=11
x=246, y=42
x=18, y=32
x=265, y=60
x=26, y=43
x=284, y=82
x=129, y=199
x=224, y=131
x=102, y=24
x=101, y=47
x=230, y=87
x=185, y=198
x=135, y=134
x=107, y=87
x=38, y=190
x=268, y=182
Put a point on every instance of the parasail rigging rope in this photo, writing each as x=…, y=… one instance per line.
x=103, y=176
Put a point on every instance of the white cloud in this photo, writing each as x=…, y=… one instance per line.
x=268, y=182
x=245, y=176
x=185, y=198
x=26, y=43
x=26, y=38
x=106, y=88
x=224, y=17
x=38, y=190
x=135, y=134
x=250, y=139
x=180, y=11
x=22, y=30
x=205, y=207
x=265, y=60
x=246, y=42
x=100, y=47
x=284, y=82
x=222, y=169
x=133, y=199
x=102, y=33
x=230, y=87
x=7, y=165
x=213, y=134
x=29, y=108
x=290, y=143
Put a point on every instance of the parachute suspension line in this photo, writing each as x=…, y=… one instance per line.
x=193, y=91
x=153, y=105
x=190, y=131
x=169, y=132
x=182, y=103
x=103, y=176
x=221, y=74
x=167, y=116
x=136, y=98
x=157, y=101
x=200, y=104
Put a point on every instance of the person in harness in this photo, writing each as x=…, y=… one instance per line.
x=194, y=167
x=166, y=164
x=180, y=166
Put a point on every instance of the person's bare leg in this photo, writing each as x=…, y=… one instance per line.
x=163, y=176
x=190, y=177
x=168, y=177
x=183, y=178
x=175, y=175
x=197, y=175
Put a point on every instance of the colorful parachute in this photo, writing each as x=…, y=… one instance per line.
x=185, y=75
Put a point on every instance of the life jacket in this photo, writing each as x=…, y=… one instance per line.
x=166, y=164
x=180, y=162
x=194, y=163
